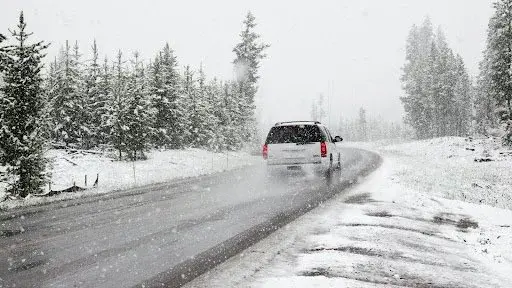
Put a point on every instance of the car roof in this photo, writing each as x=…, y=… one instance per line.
x=291, y=123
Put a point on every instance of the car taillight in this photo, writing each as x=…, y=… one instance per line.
x=265, y=151
x=323, y=149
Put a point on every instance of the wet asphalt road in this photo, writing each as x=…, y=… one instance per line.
x=159, y=235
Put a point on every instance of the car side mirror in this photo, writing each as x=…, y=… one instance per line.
x=338, y=139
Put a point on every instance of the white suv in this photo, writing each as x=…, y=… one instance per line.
x=301, y=144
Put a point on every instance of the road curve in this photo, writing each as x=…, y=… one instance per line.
x=159, y=235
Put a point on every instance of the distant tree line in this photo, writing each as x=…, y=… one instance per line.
x=362, y=128
x=128, y=104
x=370, y=128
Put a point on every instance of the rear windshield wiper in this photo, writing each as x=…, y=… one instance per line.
x=304, y=143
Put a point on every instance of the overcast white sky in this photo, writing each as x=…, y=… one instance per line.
x=356, y=45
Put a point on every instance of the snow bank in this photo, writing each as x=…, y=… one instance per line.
x=161, y=166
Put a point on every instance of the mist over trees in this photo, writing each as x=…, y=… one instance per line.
x=318, y=112
x=365, y=127
x=370, y=128
x=126, y=104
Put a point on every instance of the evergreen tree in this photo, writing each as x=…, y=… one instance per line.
x=116, y=115
x=363, y=125
x=102, y=105
x=193, y=116
x=82, y=115
x=485, y=103
x=228, y=120
x=170, y=125
x=442, y=94
x=138, y=113
x=21, y=112
x=51, y=88
x=416, y=102
x=206, y=123
x=249, y=53
x=462, y=113
x=95, y=100
x=214, y=100
x=499, y=61
x=437, y=86
x=67, y=110
x=318, y=109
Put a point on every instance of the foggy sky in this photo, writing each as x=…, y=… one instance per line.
x=357, y=46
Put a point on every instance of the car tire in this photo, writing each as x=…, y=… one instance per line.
x=329, y=171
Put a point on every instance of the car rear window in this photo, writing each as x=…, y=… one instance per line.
x=294, y=134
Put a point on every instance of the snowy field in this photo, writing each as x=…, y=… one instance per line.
x=450, y=168
x=162, y=166
x=409, y=224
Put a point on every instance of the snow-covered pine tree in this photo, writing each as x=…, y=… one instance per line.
x=317, y=112
x=207, y=127
x=83, y=114
x=116, y=113
x=248, y=55
x=67, y=110
x=442, y=94
x=314, y=111
x=437, y=87
x=499, y=61
x=363, y=122
x=159, y=103
x=214, y=100
x=462, y=109
x=103, y=105
x=21, y=111
x=484, y=102
x=138, y=112
x=95, y=100
x=170, y=124
x=418, y=79
x=51, y=89
x=230, y=114
x=193, y=103
x=412, y=79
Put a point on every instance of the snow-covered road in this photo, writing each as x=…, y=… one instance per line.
x=164, y=233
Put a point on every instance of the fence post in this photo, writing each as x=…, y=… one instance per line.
x=85, y=180
x=95, y=185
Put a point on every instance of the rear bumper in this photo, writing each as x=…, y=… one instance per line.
x=292, y=162
x=318, y=165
